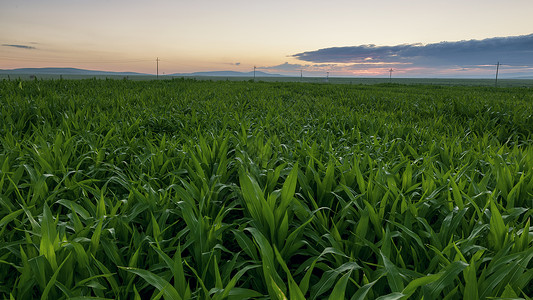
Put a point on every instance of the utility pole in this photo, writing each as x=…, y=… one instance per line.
x=497, y=69
x=327, y=76
x=157, y=68
x=390, y=75
x=301, y=75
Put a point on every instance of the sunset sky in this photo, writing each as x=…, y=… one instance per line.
x=346, y=38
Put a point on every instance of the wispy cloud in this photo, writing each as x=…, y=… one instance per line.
x=19, y=46
x=286, y=67
x=512, y=50
x=319, y=69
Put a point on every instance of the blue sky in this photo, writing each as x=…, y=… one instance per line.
x=346, y=38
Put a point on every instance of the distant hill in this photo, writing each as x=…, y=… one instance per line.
x=64, y=71
x=75, y=71
x=228, y=74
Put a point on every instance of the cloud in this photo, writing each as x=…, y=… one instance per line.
x=19, y=46
x=320, y=69
x=512, y=50
x=285, y=67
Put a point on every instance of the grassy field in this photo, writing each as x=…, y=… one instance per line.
x=333, y=80
x=184, y=189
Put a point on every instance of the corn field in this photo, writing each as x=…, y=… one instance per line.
x=184, y=189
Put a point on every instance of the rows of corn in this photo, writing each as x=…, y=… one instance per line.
x=186, y=189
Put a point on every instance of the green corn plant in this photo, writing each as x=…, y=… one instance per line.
x=197, y=189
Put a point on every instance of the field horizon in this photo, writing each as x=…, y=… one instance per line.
x=78, y=74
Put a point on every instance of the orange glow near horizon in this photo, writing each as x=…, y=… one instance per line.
x=42, y=58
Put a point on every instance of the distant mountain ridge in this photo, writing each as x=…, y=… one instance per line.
x=64, y=71
x=76, y=71
x=228, y=74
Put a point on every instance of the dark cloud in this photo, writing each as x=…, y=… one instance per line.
x=512, y=50
x=19, y=46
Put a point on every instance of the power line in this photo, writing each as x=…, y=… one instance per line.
x=157, y=68
x=497, y=69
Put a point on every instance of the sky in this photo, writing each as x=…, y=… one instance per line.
x=415, y=38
